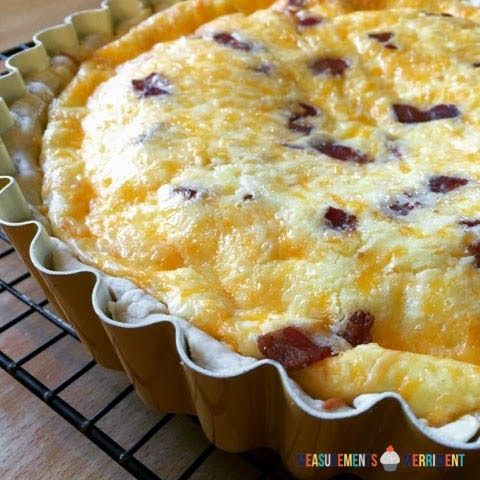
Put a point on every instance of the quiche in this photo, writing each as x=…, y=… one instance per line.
x=299, y=180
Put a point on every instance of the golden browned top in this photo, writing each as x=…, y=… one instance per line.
x=284, y=168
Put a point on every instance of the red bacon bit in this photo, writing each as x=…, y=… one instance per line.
x=409, y=114
x=444, y=184
x=357, y=330
x=292, y=348
x=308, y=19
x=469, y=223
x=307, y=110
x=381, y=37
x=300, y=126
x=340, y=220
x=227, y=39
x=331, y=66
x=296, y=121
x=440, y=112
x=384, y=37
x=187, y=193
x=340, y=152
x=474, y=250
x=152, y=85
x=332, y=404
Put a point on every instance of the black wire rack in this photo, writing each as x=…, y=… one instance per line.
x=12, y=51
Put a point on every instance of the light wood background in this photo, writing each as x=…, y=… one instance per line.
x=35, y=443
x=20, y=19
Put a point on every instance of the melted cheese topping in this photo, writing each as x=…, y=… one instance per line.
x=331, y=8
x=207, y=197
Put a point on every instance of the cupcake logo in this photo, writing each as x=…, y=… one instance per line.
x=390, y=459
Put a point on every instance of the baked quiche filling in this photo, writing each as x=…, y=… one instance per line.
x=300, y=182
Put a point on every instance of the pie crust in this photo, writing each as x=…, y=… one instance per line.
x=214, y=196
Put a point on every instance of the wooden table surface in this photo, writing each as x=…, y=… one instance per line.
x=35, y=443
x=20, y=19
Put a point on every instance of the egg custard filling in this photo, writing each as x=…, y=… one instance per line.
x=300, y=182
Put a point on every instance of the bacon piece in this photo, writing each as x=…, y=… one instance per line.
x=187, y=193
x=331, y=66
x=409, y=114
x=474, y=250
x=381, y=37
x=357, y=330
x=247, y=197
x=296, y=122
x=444, y=184
x=340, y=152
x=476, y=65
x=307, y=19
x=299, y=126
x=307, y=110
x=292, y=348
x=469, y=223
x=439, y=112
x=227, y=39
x=152, y=85
x=338, y=219
x=384, y=37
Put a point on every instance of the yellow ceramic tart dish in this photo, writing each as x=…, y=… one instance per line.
x=301, y=182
